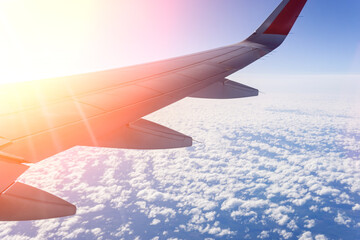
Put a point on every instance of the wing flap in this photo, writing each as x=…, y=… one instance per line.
x=226, y=89
x=21, y=202
x=144, y=134
x=9, y=172
x=86, y=132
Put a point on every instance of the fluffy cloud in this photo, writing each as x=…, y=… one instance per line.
x=267, y=167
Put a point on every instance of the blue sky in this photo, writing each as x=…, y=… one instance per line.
x=42, y=39
x=324, y=40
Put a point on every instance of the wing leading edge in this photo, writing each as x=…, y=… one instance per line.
x=38, y=119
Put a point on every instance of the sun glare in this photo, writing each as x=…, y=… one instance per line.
x=38, y=36
x=44, y=39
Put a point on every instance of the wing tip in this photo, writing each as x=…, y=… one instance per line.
x=285, y=20
x=278, y=25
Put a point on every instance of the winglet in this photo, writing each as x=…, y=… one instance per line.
x=278, y=25
x=285, y=20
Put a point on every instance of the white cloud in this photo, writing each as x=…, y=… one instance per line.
x=231, y=203
x=278, y=213
x=292, y=225
x=321, y=237
x=155, y=221
x=96, y=231
x=123, y=230
x=284, y=233
x=309, y=223
x=152, y=195
x=263, y=235
x=163, y=211
x=264, y=163
x=356, y=207
x=306, y=236
x=342, y=219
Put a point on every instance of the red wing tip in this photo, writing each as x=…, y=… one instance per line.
x=286, y=18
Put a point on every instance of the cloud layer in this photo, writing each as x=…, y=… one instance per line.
x=268, y=167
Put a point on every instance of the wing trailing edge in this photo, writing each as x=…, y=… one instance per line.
x=21, y=202
x=9, y=172
x=144, y=134
x=226, y=89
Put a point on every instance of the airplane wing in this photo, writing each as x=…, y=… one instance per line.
x=41, y=118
